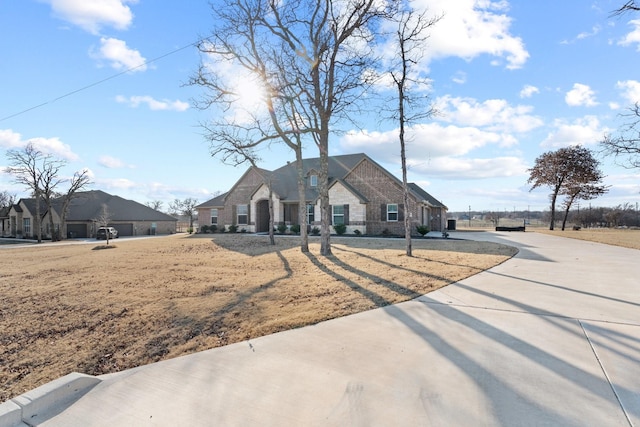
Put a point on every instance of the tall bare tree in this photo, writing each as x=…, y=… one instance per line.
x=413, y=103
x=311, y=58
x=26, y=166
x=569, y=170
x=50, y=179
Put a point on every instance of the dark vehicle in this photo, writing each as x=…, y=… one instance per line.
x=102, y=233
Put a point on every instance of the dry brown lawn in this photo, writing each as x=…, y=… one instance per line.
x=72, y=307
x=620, y=237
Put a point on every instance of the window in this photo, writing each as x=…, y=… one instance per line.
x=26, y=226
x=392, y=212
x=243, y=214
x=338, y=214
x=214, y=216
x=310, y=214
x=313, y=180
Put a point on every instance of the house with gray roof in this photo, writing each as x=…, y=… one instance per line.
x=363, y=195
x=86, y=209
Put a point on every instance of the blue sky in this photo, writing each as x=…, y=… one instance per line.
x=510, y=79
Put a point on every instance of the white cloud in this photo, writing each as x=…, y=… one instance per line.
x=631, y=90
x=92, y=15
x=633, y=36
x=469, y=168
x=528, y=91
x=153, y=104
x=459, y=77
x=117, y=184
x=10, y=139
x=432, y=140
x=119, y=55
x=580, y=95
x=584, y=35
x=583, y=131
x=113, y=163
x=470, y=28
x=53, y=146
x=493, y=114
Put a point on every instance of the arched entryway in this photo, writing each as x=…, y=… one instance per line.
x=262, y=216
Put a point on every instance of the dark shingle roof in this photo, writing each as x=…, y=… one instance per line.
x=87, y=205
x=284, y=180
x=217, y=201
x=426, y=196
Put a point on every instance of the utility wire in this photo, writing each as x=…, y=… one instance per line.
x=103, y=80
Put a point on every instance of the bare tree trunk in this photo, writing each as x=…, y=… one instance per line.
x=553, y=210
x=38, y=219
x=403, y=157
x=272, y=239
x=566, y=214
x=302, y=209
x=325, y=208
x=54, y=238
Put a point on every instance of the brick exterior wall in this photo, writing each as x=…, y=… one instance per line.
x=369, y=180
x=380, y=189
x=240, y=195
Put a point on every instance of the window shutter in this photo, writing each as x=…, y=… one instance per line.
x=248, y=214
x=401, y=212
x=383, y=212
x=346, y=214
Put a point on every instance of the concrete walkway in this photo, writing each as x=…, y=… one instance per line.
x=551, y=337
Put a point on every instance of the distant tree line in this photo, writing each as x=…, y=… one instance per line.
x=624, y=215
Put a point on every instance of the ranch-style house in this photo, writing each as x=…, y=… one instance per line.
x=363, y=195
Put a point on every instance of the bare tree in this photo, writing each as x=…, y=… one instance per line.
x=50, y=179
x=186, y=207
x=7, y=199
x=410, y=38
x=78, y=182
x=311, y=57
x=156, y=205
x=103, y=220
x=629, y=6
x=26, y=166
x=570, y=171
x=626, y=144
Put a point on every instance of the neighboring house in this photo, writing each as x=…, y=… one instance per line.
x=128, y=217
x=4, y=221
x=363, y=195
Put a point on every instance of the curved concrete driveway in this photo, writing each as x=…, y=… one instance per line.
x=551, y=337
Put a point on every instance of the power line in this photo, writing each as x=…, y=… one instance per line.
x=73, y=92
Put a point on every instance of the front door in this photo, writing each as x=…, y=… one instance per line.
x=262, y=216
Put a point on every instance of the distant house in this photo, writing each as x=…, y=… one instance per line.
x=363, y=195
x=4, y=221
x=128, y=217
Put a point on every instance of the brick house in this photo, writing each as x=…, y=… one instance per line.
x=128, y=217
x=363, y=195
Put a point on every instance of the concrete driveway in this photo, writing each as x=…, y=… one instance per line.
x=551, y=337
